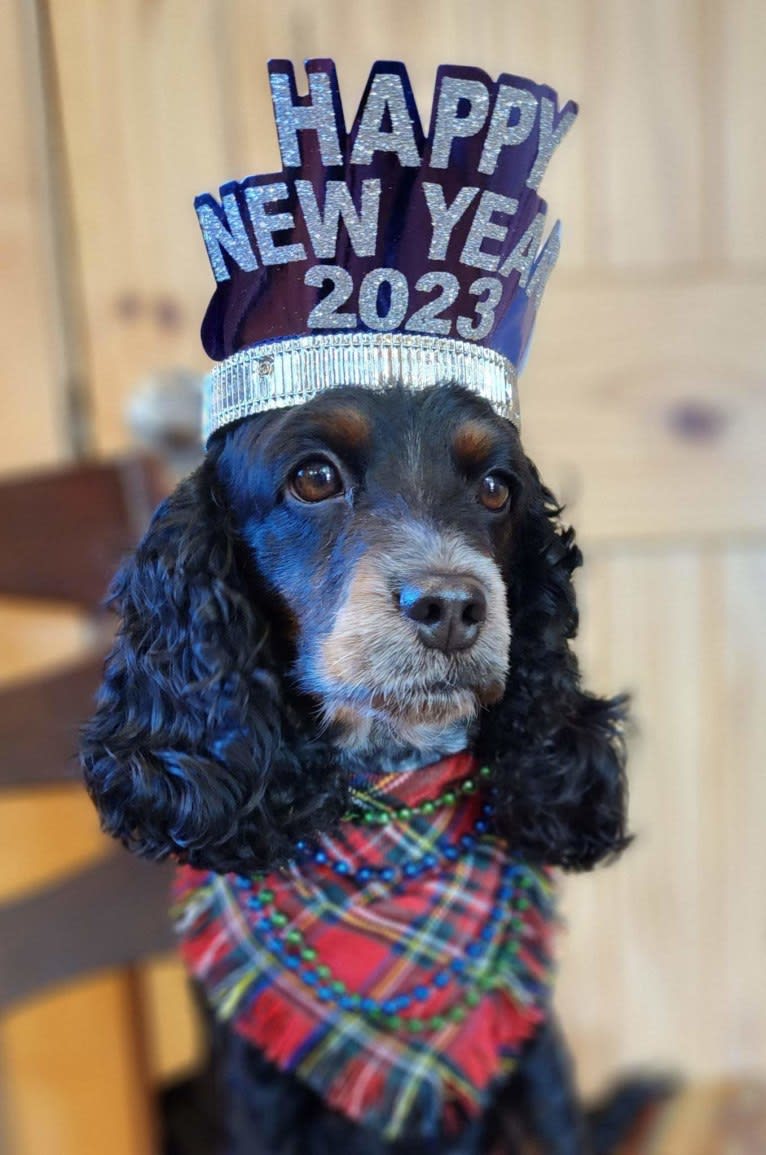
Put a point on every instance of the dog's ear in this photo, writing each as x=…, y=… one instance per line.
x=190, y=751
x=557, y=751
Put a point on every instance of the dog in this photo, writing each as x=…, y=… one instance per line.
x=365, y=583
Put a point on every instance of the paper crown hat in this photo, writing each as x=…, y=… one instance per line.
x=380, y=254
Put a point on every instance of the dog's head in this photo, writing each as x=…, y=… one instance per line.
x=368, y=568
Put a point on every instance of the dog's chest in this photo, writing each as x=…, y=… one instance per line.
x=397, y=967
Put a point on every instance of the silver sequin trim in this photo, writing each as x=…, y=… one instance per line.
x=278, y=374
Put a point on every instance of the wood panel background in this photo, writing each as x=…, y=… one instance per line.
x=644, y=404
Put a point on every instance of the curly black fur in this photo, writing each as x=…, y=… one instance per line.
x=194, y=749
x=557, y=752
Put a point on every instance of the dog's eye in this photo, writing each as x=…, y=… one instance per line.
x=316, y=480
x=494, y=492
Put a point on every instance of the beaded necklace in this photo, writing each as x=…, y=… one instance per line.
x=415, y=946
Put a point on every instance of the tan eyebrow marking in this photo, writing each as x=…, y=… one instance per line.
x=347, y=423
x=472, y=443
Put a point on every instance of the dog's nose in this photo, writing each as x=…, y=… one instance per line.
x=448, y=611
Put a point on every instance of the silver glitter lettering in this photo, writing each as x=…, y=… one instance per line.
x=266, y=224
x=368, y=299
x=484, y=228
x=522, y=256
x=444, y=217
x=511, y=104
x=543, y=266
x=386, y=93
x=449, y=125
x=229, y=236
x=550, y=139
x=291, y=118
x=323, y=227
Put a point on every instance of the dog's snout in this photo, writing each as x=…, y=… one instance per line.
x=447, y=611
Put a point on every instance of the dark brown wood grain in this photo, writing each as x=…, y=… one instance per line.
x=63, y=532
x=110, y=914
x=39, y=723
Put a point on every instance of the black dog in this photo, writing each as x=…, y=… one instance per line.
x=367, y=574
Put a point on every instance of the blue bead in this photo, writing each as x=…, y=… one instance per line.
x=368, y=1005
x=241, y=882
x=481, y=827
x=452, y=853
x=411, y=869
x=320, y=856
x=473, y=949
x=430, y=861
x=364, y=874
x=458, y=965
x=505, y=893
x=387, y=874
x=487, y=933
x=441, y=979
x=496, y=913
x=341, y=867
x=324, y=993
x=467, y=841
x=274, y=943
x=402, y=1002
x=255, y=902
x=390, y=1006
x=348, y=1002
x=292, y=963
x=488, y=808
x=309, y=977
x=301, y=846
x=263, y=923
x=421, y=993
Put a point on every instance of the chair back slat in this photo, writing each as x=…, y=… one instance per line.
x=63, y=532
x=112, y=913
x=39, y=725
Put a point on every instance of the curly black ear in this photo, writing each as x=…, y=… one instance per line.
x=557, y=752
x=190, y=751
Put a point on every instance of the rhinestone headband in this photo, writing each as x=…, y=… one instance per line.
x=277, y=374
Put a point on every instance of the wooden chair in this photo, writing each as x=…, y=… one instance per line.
x=62, y=534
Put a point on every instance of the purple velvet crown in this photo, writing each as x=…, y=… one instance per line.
x=380, y=253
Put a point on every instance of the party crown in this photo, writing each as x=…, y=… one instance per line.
x=381, y=254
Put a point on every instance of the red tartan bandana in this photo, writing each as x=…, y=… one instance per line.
x=396, y=968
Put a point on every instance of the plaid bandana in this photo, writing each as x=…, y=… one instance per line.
x=397, y=967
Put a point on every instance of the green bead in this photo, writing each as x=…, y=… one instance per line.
x=392, y=1021
x=449, y=798
x=415, y=1025
x=485, y=982
x=523, y=904
x=472, y=998
x=308, y=954
x=267, y=895
x=323, y=971
x=293, y=936
x=370, y=817
x=469, y=786
x=437, y=1022
x=485, y=771
x=427, y=808
x=405, y=812
x=456, y=1014
x=338, y=987
x=278, y=918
